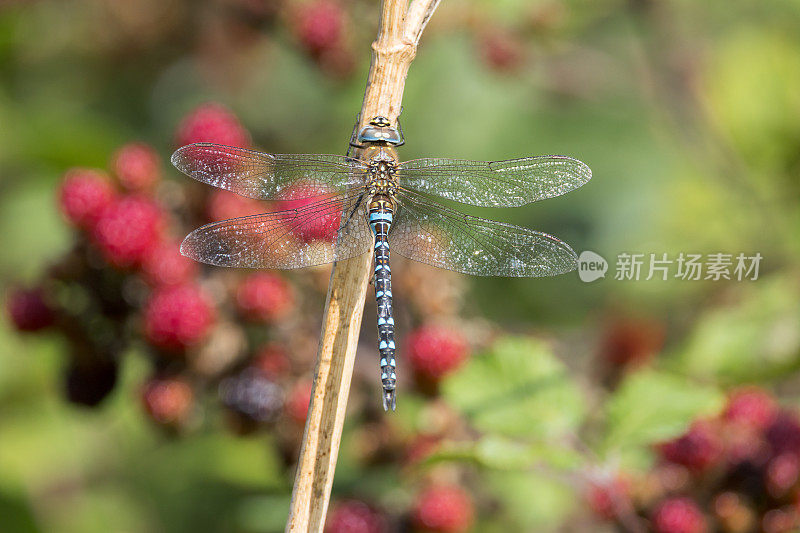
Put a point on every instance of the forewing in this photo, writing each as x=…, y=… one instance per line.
x=267, y=176
x=509, y=183
x=328, y=230
x=434, y=234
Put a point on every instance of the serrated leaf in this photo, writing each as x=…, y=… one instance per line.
x=517, y=389
x=652, y=406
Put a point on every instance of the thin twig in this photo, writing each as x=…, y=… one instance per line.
x=392, y=54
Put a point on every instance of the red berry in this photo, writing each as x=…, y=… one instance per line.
x=324, y=225
x=164, y=265
x=298, y=401
x=629, y=341
x=443, y=509
x=608, y=498
x=178, y=317
x=354, y=517
x=751, y=407
x=502, y=51
x=697, y=449
x=84, y=195
x=782, y=474
x=434, y=351
x=214, y=123
x=224, y=205
x=779, y=521
x=271, y=360
x=28, y=309
x=264, y=296
x=168, y=401
x=679, y=515
x=319, y=25
x=136, y=166
x=127, y=229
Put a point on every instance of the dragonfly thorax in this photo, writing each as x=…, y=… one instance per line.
x=381, y=170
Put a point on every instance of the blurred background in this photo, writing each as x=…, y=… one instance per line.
x=140, y=392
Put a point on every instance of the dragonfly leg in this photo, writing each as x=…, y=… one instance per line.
x=354, y=136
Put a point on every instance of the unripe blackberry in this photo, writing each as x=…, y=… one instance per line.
x=168, y=401
x=782, y=474
x=127, y=229
x=679, y=515
x=751, y=407
x=224, y=205
x=697, y=449
x=265, y=297
x=502, y=51
x=163, y=264
x=272, y=361
x=607, y=499
x=178, y=317
x=28, y=309
x=323, y=226
x=443, y=509
x=318, y=26
x=213, y=123
x=84, y=195
x=136, y=166
x=631, y=341
x=435, y=351
x=252, y=395
x=354, y=517
x=299, y=400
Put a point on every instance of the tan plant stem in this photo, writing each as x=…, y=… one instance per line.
x=392, y=52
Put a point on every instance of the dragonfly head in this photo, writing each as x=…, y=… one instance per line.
x=380, y=130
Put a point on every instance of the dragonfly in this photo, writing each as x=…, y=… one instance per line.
x=331, y=207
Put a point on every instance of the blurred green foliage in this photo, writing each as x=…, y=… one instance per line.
x=685, y=111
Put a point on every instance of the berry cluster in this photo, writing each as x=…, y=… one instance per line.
x=736, y=472
x=437, y=508
x=234, y=336
x=126, y=285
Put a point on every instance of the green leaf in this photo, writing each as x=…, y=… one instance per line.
x=758, y=338
x=532, y=500
x=501, y=453
x=518, y=389
x=652, y=406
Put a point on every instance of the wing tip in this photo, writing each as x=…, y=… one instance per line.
x=187, y=246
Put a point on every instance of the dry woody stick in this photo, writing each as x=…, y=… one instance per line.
x=393, y=51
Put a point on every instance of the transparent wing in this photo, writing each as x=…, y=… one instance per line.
x=328, y=230
x=267, y=176
x=434, y=234
x=508, y=183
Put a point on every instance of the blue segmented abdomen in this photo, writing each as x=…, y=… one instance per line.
x=380, y=220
